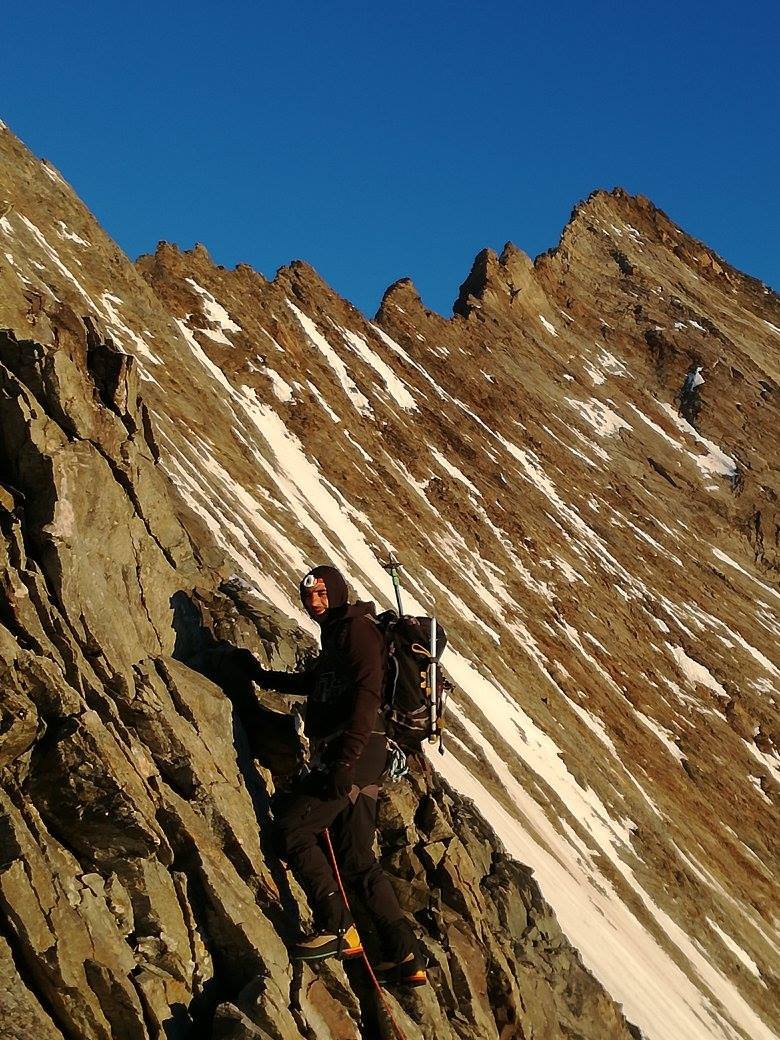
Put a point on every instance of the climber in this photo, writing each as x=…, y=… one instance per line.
x=346, y=730
x=689, y=400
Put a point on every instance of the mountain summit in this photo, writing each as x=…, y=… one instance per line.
x=579, y=472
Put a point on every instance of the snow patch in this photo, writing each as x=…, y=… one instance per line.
x=453, y=471
x=594, y=374
x=125, y=333
x=216, y=314
x=715, y=461
x=609, y=363
x=281, y=389
x=323, y=403
x=397, y=389
x=214, y=370
x=54, y=256
x=621, y=952
x=738, y=952
x=770, y=762
x=595, y=726
x=198, y=491
x=361, y=451
x=318, y=510
x=696, y=672
x=720, y=555
x=603, y=420
x=756, y=782
x=567, y=570
x=315, y=337
x=52, y=173
x=666, y=738
x=65, y=233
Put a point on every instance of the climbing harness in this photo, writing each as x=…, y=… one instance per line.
x=433, y=699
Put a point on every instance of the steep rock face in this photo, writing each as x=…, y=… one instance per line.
x=135, y=893
x=607, y=574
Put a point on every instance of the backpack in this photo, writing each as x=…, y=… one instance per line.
x=406, y=698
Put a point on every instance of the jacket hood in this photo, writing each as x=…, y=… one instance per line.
x=334, y=582
x=336, y=588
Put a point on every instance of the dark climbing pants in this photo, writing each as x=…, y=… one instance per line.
x=301, y=817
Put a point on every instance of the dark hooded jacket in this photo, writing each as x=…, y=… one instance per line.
x=343, y=686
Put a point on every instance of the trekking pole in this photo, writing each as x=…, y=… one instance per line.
x=393, y=568
x=432, y=681
x=446, y=687
x=366, y=961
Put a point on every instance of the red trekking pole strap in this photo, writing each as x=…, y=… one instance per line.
x=366, y=961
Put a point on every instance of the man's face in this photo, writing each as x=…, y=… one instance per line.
x=315, y=599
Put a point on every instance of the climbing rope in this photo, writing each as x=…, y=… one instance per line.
x=337, y=874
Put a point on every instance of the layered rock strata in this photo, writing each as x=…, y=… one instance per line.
x=173, y=432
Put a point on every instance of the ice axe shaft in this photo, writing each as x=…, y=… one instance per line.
x=393, y=568
x=433, y=678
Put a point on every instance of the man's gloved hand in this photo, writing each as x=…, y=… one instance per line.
x=247, y=663
x=339, y=780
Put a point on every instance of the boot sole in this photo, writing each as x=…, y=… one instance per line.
x=317, y=956
x=420, y=978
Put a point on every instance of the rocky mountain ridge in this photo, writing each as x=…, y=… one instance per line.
x=608, y=574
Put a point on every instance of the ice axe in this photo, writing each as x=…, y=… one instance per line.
x=393, y=568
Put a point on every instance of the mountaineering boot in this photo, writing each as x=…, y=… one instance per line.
x=403, y=964
x=319, y=945
x=334, y=935
x=408, y=972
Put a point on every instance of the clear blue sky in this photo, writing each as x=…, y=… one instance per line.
x=379, y=140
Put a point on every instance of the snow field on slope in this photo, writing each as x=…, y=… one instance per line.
x=655, y=992
x=533, y=471
x=319, y=398
x=720, y=555
x=125, y=333
x=199, y=495
x=453, y=471
x=693, y=1017
x=639, y=973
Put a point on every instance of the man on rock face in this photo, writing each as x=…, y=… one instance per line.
x=345, y=726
